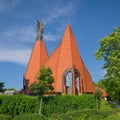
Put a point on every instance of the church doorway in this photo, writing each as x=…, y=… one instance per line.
x=71, y=82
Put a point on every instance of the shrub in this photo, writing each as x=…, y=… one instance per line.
x=29, y=117
x=18, y=104
x=21, y=104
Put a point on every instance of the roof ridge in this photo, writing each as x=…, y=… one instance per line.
x=71, y=45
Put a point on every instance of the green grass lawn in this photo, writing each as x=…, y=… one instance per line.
x=106, y=106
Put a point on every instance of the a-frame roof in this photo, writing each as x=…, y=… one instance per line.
x=38, y=57
x=65, y=57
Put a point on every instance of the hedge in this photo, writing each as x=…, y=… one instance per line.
x=62, y=104
x=21, y=104
x=4, y=117
x=29, y=117
x=18, y=104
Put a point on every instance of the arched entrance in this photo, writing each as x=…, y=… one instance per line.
x=71, y=82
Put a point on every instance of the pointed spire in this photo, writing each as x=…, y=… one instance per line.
x=40, y=30
x=38, y=57
x=67, y=57
x=68, y=28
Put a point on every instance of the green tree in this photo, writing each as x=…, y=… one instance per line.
x=101, y=83
x=44, y=84
x=11, y=89
x=109, y=51
x=97, y=96
x=2, y=87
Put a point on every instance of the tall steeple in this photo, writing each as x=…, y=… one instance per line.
x=38, y=57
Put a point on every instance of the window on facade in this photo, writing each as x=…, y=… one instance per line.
x=77, y=85
x=69, y=82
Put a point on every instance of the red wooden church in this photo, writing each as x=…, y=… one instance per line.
x=69, y=71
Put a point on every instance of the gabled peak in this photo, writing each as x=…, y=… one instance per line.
x=68, y=35
x=68, y=31
x=68, y=27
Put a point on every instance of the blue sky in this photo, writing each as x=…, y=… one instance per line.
x=90, y=21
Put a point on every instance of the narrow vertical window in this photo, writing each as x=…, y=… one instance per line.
x=69, y=82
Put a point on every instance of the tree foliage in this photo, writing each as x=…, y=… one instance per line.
x=109, y=51
x=2, y=87
x=101, y=83
x=97, y=96
x=44, y=84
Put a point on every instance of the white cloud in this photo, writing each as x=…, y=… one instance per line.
x=18, y=34
x=60, y=12
x=13, y=43
x=50, y=37
x=17, y=56
x=13, y=40
x=62, y=9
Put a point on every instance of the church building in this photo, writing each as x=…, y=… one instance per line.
x=69, y=71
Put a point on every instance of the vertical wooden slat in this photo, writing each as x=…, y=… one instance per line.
x=73, y=80
x=65, y=92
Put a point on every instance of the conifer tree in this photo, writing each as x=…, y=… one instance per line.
x=44, y=85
